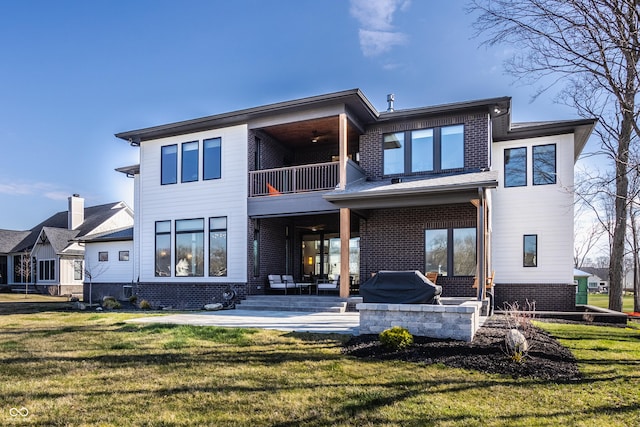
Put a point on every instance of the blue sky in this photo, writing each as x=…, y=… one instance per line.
x=73, y=73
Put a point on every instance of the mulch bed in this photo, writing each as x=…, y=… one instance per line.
x=547, y=359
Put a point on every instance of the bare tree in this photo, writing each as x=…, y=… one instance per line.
x=24, y=269
x=591, y=48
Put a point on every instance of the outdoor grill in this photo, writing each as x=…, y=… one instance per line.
x=400, y=287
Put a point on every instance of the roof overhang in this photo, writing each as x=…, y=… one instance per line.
x=581, y=129
x=422, y=192
x=353, y=100
x=130, y=171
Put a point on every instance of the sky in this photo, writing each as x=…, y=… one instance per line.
x=74, y=73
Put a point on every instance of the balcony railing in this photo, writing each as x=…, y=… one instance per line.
x=294, y=179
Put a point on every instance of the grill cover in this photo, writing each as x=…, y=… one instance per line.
x=400, y=287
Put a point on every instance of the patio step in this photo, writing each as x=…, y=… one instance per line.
x=311, y=304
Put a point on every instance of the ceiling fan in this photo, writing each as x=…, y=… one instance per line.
x=316, y=227
x=318, y=137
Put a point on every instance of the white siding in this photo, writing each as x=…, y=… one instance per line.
x=226, y=196
x=67, y=271
x=114, y=270
x=544, y=210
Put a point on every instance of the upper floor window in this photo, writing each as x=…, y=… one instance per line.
x=424, y=150
x=515, y=167
x=190, y=161
x=212, y=158
x=544, y=164
x=169, y=164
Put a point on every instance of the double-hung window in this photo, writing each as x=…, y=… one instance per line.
x=218, y=246
x=190, y=247
x=169, y=164
x=424, y=150
x=451, y=251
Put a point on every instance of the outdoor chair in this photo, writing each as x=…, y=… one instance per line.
x=276, y=283
x=489, y=282
x=330, y=286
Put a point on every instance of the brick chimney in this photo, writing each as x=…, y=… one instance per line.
x=75, y=215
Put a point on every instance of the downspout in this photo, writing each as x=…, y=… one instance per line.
x=481, y=273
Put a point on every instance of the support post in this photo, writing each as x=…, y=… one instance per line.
x=345, y=236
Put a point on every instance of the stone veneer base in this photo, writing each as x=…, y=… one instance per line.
x=456, y=318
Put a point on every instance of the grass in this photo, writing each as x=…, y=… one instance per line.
x=602, y=300
x=85, y=369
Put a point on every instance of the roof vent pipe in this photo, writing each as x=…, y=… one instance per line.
x=390, y=98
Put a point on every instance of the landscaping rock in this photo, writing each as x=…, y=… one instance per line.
x=79, y=306
x=213, y=307
x=516, y=342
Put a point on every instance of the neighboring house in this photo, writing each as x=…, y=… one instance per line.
x=327, y=186
x=49, y=257
x=598, y=280
x=109, y=264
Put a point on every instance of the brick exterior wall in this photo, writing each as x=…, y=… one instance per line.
x=393, y=239
x=547, y=297
x=476, y=141
x=186, y=296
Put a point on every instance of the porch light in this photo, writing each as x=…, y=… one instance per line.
x=310, y=260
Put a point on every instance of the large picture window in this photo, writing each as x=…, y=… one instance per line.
x=530, y=250
x=515, y=167
x=163, y=249
x=218, y=246
x=190, y=247
x=212, y=158
x=424, y=150
x=190, y=161
x=46, y=270
x=544, y=164
x=451, y=252
x=169, y=164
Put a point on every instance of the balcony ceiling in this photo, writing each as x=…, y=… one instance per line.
x=301, y=134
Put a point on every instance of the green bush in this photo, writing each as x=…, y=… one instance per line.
x=145, y=305
x=396, y=338
x=111, y=303
x=133, y=299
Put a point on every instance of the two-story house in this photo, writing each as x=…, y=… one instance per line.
x=327, y=186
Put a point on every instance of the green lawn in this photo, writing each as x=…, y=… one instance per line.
x=602, y=300
x=85, y=369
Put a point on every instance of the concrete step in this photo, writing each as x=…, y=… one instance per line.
x=303, y=303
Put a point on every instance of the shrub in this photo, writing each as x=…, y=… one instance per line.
x=133, y=299
x=111, y=303
x=145, y=305
x=396, y=338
